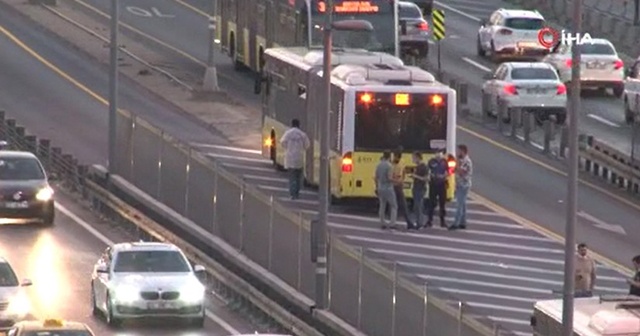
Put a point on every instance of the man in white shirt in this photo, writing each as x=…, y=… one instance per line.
x=295, y=143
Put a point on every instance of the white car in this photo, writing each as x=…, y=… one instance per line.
x=512, y=34
x=600, y=66
x=632, y=93
x=14, y=302
x=530, y=86
x=143, y=279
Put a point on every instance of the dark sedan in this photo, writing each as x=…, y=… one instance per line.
x=25, y=194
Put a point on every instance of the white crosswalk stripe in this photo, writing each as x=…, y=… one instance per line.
x=496, y=266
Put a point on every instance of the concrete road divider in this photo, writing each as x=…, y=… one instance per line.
x=607, y=163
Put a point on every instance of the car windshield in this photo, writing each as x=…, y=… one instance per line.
x=533, y=73
x=150, y=262
x=20, y=169
x=597, y=49
x=409, y=12
x=524, y=23
x=7, y=277
x=56, y=333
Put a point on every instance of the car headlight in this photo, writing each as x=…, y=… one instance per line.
x=193, y=293
x=44, y=194
x=126, y=293
x=19, y=305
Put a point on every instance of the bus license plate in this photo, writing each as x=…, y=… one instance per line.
x=16, y=205
x=160, y=305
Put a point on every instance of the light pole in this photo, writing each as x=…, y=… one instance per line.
x=113, y=84
x=572, y=187
x=210, y=82
x=324, y=138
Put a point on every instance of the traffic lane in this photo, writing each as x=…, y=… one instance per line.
x=89, y=76
x=59, y=260
x=187, y=50
x=41, y=100
x=601, y=116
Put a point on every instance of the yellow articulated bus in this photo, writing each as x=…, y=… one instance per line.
x=377, y=104
x=246, y=28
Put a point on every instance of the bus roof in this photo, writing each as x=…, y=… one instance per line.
x=306, y=58
x=381, y=74
x=599, y=316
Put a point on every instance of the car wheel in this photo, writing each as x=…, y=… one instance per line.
x=494, y=55
x=94, y=305
x=111, y=320
x=618, y=91
x=49, y=217
x=481, y=52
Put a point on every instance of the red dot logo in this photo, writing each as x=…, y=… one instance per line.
x=548, y=37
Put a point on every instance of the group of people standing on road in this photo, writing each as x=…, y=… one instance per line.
x=390, y=177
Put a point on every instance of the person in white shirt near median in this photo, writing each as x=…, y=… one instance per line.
x=295, y=143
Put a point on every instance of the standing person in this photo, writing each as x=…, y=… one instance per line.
x=419, y=188
x=438, y=173
x=295, y=143
x=384, y=190
x=464, y=171
x=634, y=283
x=398, y=187
x=585, y=272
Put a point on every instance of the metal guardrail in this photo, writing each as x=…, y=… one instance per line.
x=609, y=164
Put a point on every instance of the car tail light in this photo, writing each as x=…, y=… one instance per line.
x=347, y=163
x=562, y=89
x=568, y=63
x=423, y=26
x=451, y=163
x=618, y=64
x=505, y=32
x=510, y=89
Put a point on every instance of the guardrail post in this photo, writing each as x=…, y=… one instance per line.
x=547, y=136
x=270, y=241
x=132, y=148
x=31, y=143
x=215, y=198
x=527, y=126
x=425, y=316
x=56, y=157
x=67, y=160
x=10, y=131
x=486, y=107
x=502, y=112
x=20, y=133
x=360, y=274
x=515, y=116
x=187, y=171
x=564, y=141
x=160, y=177
x=241, y=218
x=394, y=299
x=329, y=269
x=460, y=317
x=44, y=148
x=463, y=94
x=300, y=230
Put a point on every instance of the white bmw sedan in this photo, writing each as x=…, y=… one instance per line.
x=139, y=280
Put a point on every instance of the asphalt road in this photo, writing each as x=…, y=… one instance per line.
x=502, y=174
x=523, y=184
x=59, y=261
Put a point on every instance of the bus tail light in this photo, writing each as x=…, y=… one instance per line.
x=347, y=163
x=268, y=142
x=436, y=100
x=366, y=98
x=451, y=163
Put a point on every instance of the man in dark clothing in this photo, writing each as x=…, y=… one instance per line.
x=634, y=282
x=438, y=173
x=419, y=188
x=398, y=188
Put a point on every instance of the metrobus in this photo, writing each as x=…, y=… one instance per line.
x=595, y=316
x=378, y=104
x=247, y=27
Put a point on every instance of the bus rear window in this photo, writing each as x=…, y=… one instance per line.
x=383, y=124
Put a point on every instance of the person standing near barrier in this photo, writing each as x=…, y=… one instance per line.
x=438, y=173
x=464, y=171
x=419, y=188
x=398, y=187
x=295, y=143
x=634, y=283
x=385, y=192
x=585, y=272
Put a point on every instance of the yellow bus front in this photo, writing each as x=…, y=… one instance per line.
x=411, y=122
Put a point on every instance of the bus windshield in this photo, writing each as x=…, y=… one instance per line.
x=380, y=13
x=384, y=126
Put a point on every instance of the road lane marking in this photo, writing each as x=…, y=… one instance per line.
x=108, y=242
x=193, y=8
x=511, y=321
x=154, y=12
x=237, y=158
x=451, y=280
x=603, y=120
x=600, y=224
x=476, y=64
x=457, y=11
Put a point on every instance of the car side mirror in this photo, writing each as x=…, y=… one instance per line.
x=198, y=269
x=26, y=283
x=102, y=269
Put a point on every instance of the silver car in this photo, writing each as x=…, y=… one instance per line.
x=14, y=302
x=600, y=68
x=135, y=280
x=511, y=34
x=530, y=86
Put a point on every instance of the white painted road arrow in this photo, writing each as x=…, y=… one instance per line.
x=601, y=224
